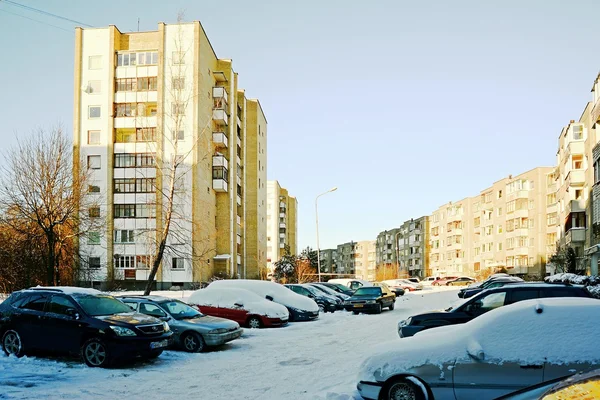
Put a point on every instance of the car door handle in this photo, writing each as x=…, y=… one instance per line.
x=531, y=366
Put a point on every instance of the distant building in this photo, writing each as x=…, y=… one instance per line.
x=282, y=223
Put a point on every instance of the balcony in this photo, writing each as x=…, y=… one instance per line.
x=575, y=235
x=220, y=93
x=522, y=194
x=220, y=139
x=575, y=206
x=220, y=116
x=576, y=147
x=219, y=160
x=220, y=185
x=282, y=225
x=552, y=208
x=575, y=177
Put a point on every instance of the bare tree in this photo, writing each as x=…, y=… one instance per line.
x=41, y=198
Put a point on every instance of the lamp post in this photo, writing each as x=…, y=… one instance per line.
x=397, y=254
x=317, y=220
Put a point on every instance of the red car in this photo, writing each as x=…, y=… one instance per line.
x=240, y=305
x=443, y=281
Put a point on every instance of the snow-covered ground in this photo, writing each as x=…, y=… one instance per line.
x=305, y=360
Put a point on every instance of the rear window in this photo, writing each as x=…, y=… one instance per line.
x=520, y=295
x=35, y=302
x=562, y=292
x=368, y=291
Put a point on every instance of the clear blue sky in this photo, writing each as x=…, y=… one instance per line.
x=404, y=105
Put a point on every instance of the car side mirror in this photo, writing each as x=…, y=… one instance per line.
x=71, y=312
x=165, y=318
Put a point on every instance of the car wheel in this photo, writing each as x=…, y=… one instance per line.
x=254, y=323
x=12, y=343
x=355, y=312
x=402, y=389
x=321, y=308
x=378, y=308
x=95, y=353
x=192, y=342
x=391, y=307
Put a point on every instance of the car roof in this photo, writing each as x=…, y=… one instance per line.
x=142, y=297
x=64, y=289
x=531, y=285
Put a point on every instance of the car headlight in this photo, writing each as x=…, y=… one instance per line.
x=347, y=303
x=217, y=331
x=167, y=327
x=371, y=301
x=122, y=331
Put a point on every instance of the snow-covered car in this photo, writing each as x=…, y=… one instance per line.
x=490, y=356
x=326, y=289
x=193, y=331
x=351, y=283
x=240, y=305
x=301, y=308
x=324, y=301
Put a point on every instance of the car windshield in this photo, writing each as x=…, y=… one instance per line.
x=341, y=287
x=101, y=305
x=179, y=310
x=368, y=291
x=312, y=290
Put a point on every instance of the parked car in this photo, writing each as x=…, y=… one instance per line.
x=414, y=282
x=193, y=331
x=487, y=301
x=371, y=298
x=490, y=284
x=578, y=386
x=490, y=356
x=301, y=308
x=351, y=283
x=429, y=280
x=403, y=284
x=462, y=281
x=443, y=281
x=240, y=305
x=396, y=287
x=340, y=296
x=79, y=321
x=338, y=287
x=324, y=301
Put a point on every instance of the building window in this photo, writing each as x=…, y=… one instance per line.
x=125, y=262
x=147, y=84
x=93, y=238
x=124, y=185
x=145, y=211
x=94, y=262
x=94, y=87
x=124, y=160
x=499, y=194
x=124, y=210
x=94, y=212
x=93, y=189
x=577, y=161
x=178, y=108
x=125, y=85
x=178, y=263
x=577, y=132
x=578, y=194
x=94, y=112
x=178, y=57
x=551, y=219
x=93, y=137
x=124, y=236
x=178, y=135
x=178, y=82
x=141, y=58
x=220, y=172
x=94, y=162
x=95, y=62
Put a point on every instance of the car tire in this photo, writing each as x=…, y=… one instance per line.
x=378, y=308
x=254, y=322
x=193, y=342
x=355, y=312
x=402, y=388
x=322, y=308
x=391, y=307
x=12, y=343
x=95, y=353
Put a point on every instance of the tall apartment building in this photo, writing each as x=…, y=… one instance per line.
x=282, y=223
x=386, y=248
x=155, y=110
x=505, y=226
x=365, y=260
x=346, y=258
x=328, y=260
x=413, y=247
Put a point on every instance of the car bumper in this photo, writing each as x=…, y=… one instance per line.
x=304, y=315
x=362, y=307
x=274, y=322
x=132, y=346
x=369, y=390
x=217, y=339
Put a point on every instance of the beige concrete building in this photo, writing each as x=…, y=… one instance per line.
x=155, y=110
x=282, y=223
x=365, y=260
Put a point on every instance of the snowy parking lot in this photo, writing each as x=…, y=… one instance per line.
x=305, y=360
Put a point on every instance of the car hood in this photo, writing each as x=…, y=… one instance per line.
x=355, y=298
x=130, y=319
x=207, y=322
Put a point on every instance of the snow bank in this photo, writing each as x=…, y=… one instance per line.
x=592, y=283
x=506, y=334
x=229, y=297
x=279, y=293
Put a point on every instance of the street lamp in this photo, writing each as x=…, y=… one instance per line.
x=397, y=254
x=317, y=220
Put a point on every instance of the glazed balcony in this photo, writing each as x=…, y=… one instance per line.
x=220, y=139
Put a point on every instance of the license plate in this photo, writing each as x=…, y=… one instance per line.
x=358, y=305
x=158, y=345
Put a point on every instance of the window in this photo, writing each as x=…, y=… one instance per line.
x=500, y=246
x=95, y=62
x=124, y=109
x=551, y=199
x=35, y=302
x=125, y=262
x=93, y=238
x=220, y=172
x=499, y=211
x=152, y=310
x=124, y=236
x=147, y=84
x=94, y=112
x=145, y=185
x=132, y=185
x=93, y=189
x=493, y=300
x=142, y=262
x=577, y=132
x=499, y=194
x=60, y=305
x=531, y=204
x=521, y=295
x=123, y=160
x=145, y=211
x=179, y=135
x=124, y=211
x=93, y=162
x=178, y=57
x=145, y=160
x=178, y=82
x=177, y=263
x=94, y=212
x=93, y=137
x=94, y=87
x=126, y=85
x=578, y=194
x=145, y=134
x=551, y=219
x=178, y=108
x=577, y=161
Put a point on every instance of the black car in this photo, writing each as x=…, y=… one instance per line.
x=371, y=299
x=323, y=300
x=341, y=296
x=489, y=284
x=97, y=326
x=486, y=301
x=337, y=287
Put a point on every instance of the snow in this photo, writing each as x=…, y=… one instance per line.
x=279, y=293
x=592, y=282
x=228, y=297
x=70, y=289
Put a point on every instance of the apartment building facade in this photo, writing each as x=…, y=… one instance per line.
x=328, y=260
x=158, y=116
x=386, y=249
x=365, y=260
x=346, y=258
x=282, y=223
x=413, y=247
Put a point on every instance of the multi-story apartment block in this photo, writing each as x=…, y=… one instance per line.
x=346, y=261
x=365, y=260
x=158, y=116
x=386, y=249
x=413, y=247
x=328, y=260
x=282, y=223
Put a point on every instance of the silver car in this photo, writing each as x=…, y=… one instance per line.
x=502, y=351
x=193, y=331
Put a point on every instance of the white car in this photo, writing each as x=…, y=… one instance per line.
x=429, y=280
x=351, y=283
x=502, y=351
x=301, y=308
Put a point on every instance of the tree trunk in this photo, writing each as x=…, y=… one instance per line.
x=50, y=259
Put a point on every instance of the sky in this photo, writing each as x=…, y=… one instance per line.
x=402, y=105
